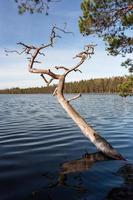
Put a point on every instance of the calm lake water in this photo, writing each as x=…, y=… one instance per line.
x=44, y=156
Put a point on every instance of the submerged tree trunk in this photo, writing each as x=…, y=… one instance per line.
x=83, y=163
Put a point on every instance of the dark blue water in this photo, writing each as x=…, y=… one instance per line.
x=43, y=154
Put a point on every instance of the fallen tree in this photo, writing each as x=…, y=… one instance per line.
x=33, y=52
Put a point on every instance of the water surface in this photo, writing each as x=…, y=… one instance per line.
x=43, y=154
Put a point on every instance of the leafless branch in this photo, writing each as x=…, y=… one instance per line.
x=55, y=92
x=14, y=51
x=42, y=54
x=66, y=69
x=50, y=81
x=75, y=97
x=34, y=51
x=46, y=81
x=61, y=67
x=38, y=62
x=88, y=51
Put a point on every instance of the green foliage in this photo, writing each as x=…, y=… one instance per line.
x=113, y=22
x=126, y=88
x=33, y=6
x=128, y=64
x=110, y=20
x=127, y=20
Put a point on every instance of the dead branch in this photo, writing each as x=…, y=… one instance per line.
x=61, y=67
x=55, y=92
x=13, y=51
x=75, y=97
x=50, y=81
x=46, y=81
x=67, y=69
x=34, y=51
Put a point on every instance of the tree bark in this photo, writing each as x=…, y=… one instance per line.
x=86, y=129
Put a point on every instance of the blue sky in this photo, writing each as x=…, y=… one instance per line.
x=34, y=29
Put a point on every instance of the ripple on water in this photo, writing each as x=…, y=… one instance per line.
x=36, y=137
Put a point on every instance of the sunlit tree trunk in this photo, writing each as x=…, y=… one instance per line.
x=86, y=129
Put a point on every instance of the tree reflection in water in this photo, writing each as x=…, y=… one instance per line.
x=57, y=183
x=68, y=183
x=83, y=163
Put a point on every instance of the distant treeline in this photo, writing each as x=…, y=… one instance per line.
x=99, y=85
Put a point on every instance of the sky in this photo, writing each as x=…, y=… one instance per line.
x=35, y=29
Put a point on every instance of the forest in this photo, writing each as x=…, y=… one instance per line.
x=99, y=85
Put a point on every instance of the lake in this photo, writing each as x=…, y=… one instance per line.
x=45, y=156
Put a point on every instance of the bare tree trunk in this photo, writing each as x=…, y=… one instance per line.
x=87, y=130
